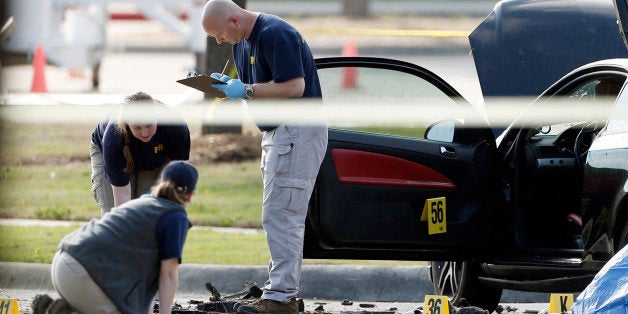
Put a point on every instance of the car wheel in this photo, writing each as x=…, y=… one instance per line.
x=459, y=281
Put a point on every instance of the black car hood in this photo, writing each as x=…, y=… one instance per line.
x=524, y=46
x=621, y=10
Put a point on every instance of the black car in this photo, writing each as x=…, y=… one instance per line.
x=538, y=208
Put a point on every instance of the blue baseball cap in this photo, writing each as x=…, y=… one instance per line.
x=182, y=173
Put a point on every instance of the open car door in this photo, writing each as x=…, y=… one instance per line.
x=411, y=169
x=621, y=10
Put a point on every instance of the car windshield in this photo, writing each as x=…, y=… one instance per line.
x=588, y=102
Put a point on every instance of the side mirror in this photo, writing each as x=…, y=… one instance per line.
x=442, y=131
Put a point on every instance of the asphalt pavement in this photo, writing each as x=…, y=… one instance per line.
x=402, y=287
x=338, y=288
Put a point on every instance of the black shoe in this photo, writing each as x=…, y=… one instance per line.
x=40, y=303
x=60, y=306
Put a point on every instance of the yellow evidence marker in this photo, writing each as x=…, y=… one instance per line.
x=435, y=213
x=9, y=306
x=436, y=304
x=560, y=303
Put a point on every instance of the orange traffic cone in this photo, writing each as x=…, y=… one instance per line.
x=350, y=75
x=39, y=75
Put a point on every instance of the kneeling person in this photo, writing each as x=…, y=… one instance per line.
x=117, y=263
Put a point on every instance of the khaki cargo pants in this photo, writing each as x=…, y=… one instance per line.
x=141, y=181
x=291, y=158
x=76, y=286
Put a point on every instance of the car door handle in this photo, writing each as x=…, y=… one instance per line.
x=447, y=151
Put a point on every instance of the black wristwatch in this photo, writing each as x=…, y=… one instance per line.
x=249, y=93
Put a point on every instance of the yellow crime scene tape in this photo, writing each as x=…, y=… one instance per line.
x=388, y=32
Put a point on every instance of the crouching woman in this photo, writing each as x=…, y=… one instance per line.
x=117, y=264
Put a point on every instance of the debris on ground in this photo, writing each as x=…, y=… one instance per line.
x=215, y=295
x=511, y=309
x=464, y=307
x=216, y=303
x=467, y=310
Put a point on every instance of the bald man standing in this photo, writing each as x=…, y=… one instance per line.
x=274, y=62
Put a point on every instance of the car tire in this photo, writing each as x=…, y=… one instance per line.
x=459, y=282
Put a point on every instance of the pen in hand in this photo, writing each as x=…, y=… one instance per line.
x=224, y=69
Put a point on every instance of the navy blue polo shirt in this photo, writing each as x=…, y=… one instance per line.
x=172, y=230
x=170, y=142
x=276, y=51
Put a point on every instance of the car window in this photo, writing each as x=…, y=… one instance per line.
x=385, y=101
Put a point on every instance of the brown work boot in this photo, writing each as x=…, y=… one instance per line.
x=242, y=302
x=262, y=306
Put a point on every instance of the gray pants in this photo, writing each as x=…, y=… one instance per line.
x=76, y=286
x=141, y=181
x=291, y=158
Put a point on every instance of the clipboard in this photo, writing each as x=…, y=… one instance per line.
x=204, y=84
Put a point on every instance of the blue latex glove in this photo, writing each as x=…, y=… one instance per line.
x=224, y=78
x=233, y=89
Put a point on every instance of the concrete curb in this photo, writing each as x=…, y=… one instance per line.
x=333, y=282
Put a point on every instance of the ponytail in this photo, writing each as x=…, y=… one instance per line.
x=169, y=190
x=126, y=151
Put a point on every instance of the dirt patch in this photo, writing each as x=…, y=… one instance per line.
x=224, y=147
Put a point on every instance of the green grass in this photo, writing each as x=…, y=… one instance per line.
x=38, y=245
x=414, y=132
x=31, y=143
x=30, y=244
x=47, y=192
x=228, y=194
x=37, y=181
x=203, y=246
